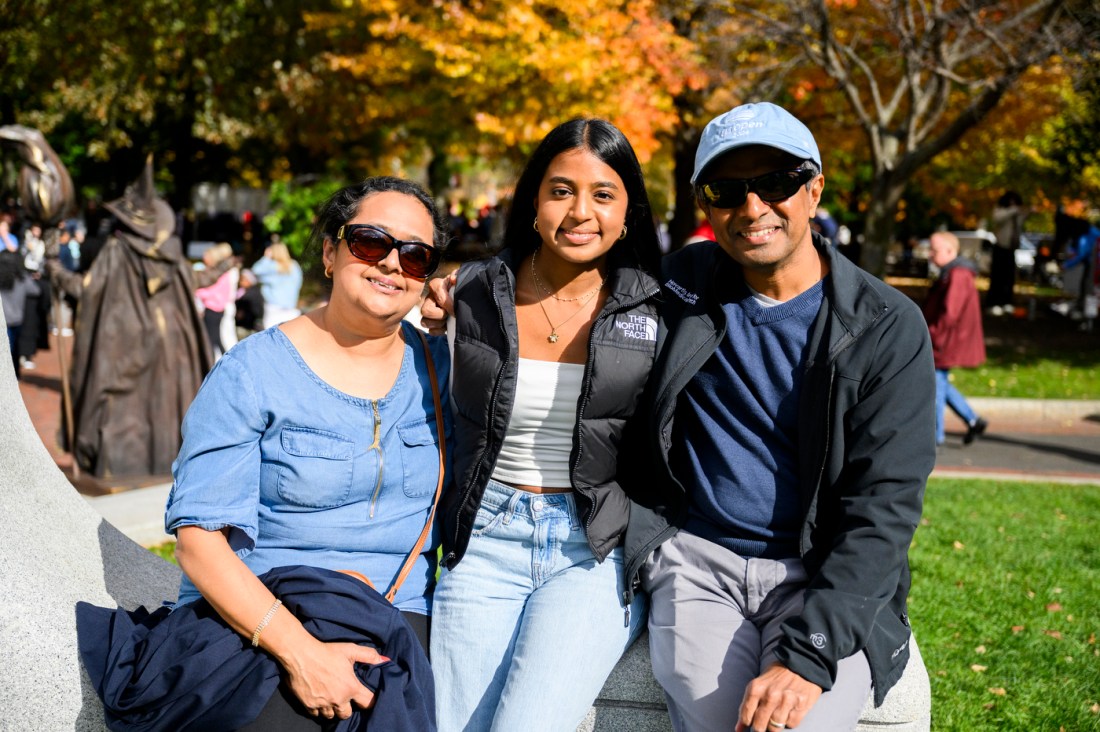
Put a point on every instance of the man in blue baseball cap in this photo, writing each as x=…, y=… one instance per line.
x=790, y=435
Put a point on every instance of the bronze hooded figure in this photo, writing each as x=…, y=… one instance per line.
x=139, y=353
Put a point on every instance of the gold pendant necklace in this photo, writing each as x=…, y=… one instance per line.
x=553, y=337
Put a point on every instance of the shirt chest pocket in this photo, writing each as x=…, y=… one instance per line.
x=419, y=458
x=316, y=467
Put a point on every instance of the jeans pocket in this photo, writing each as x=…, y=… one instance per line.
x=487, y=520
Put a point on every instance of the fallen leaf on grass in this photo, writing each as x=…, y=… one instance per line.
x=980, y=649
x=1055, y=634
x=1054, y=607
x=1095, y=709
x=1092, y=639
x=941, y=673
x=1017, y=628
x=998, y=690
x=959, y=545
x=978, y=668
x=988, y=705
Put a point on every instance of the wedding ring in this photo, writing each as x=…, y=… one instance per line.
x=777, y=725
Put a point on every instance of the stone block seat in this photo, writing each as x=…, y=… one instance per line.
x=56, y=551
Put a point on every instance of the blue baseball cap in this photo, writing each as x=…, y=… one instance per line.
x=754, y=124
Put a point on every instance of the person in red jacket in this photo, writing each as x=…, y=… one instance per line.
x=954, y=320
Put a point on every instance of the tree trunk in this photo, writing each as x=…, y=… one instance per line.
x=878, y=231
x=683, y=163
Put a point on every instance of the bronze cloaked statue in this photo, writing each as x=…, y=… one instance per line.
x=139, y=350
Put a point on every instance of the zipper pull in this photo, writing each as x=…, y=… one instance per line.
x=626, y=617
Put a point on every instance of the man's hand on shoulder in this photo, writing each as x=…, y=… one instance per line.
x=776, y=699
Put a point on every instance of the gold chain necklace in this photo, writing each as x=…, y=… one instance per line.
x=553, y=337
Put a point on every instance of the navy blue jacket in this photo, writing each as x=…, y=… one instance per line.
x=188, y=670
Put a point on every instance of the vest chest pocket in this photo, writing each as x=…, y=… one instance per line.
x=316, y=470
x=419, y=459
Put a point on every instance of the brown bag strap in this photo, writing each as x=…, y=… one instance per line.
x=411, y=560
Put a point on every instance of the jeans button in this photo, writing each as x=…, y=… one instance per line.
x=537, y=505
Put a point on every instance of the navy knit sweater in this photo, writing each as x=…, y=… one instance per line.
x=737, y=426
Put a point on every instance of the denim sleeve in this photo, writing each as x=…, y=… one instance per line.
x=216, y=477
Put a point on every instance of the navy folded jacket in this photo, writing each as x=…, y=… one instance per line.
x=188, y=670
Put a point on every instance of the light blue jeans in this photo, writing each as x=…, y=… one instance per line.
x=527, y=627
x=948, y=396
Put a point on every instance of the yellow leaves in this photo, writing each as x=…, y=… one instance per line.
x=978, y=668
x=478, y=64
x=998, y=691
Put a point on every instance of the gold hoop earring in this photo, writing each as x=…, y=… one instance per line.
x=623, y=234
x=535, y=225
x=328, y=272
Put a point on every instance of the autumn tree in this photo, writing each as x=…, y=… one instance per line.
x=916, y=76
x=193, y=82
x=490, y=77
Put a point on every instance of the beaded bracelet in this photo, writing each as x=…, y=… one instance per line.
x=264, y=622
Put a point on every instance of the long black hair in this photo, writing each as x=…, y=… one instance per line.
x=609, y=144
x=341, y=207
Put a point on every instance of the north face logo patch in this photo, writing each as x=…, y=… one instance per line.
x=639, y=327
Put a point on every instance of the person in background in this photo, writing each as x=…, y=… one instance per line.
x=954, y=318
x=779, y=472
x=554, y=339
x=15, y=288
x=217, y=298
x=280, y=281
x=1085, y=256
x=703, y=232
x=35, y=330
x=1008, y=224
x=250, y=306
x=9, y=242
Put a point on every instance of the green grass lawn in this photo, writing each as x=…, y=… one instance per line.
x=1033, y=373
x=167, y=550
x=1006, y=605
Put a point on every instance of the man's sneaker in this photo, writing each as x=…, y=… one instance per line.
x=975, y=430
x=26, y=363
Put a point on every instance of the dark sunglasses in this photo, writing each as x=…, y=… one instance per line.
x=770, y=187
x=372, y=245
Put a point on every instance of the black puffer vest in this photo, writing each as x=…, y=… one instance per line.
x=621, y=349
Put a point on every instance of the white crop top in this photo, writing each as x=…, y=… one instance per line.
x=540, y=433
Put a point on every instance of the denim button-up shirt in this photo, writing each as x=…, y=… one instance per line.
x=286, y=462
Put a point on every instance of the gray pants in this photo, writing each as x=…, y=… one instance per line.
x=714, y=626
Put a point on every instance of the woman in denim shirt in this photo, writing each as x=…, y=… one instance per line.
x=314, y=443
